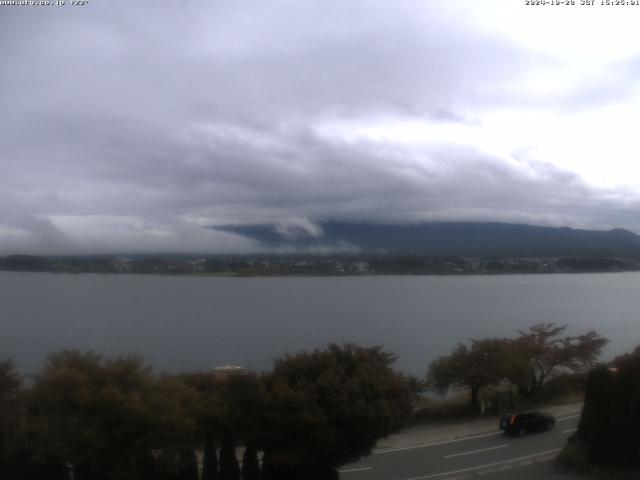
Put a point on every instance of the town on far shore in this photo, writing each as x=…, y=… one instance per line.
x=306, y=264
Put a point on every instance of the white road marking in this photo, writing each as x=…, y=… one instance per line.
x=569, y=430
x=475, y=451
x=349, y=470
x=446, y=442
x=545, y=459
x=512, y=460
x=495, y=470
x=512, y=466
x=433, y=444
x=568, y=418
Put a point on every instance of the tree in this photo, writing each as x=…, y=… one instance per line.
x=18, y=460
x=244, y=398
x=250, y=464
x=10, y=381
x=10, y=416
x=232, y=409
x=229, y=410
x=229, y=467
x=545, y=352
x=608, y=427
x=10, y=385
x=107, y=416
x=483, y=363
x=210, y=458
x=327, y=408
x=187, y=465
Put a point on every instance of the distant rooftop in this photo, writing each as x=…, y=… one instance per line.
x=230, y=370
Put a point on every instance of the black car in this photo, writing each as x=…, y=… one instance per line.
x=525, y=422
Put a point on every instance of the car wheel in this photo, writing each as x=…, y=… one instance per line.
x=550, y=425
x=521, y=432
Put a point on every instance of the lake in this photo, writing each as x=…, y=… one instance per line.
x=187, y=323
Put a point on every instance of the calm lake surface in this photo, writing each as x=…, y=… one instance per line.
x=188, y=323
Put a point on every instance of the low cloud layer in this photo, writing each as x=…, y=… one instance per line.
x=132, y=128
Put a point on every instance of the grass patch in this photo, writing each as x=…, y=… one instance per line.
x=431, y=409
x=541, y=402
x=560, y=390
x=456, y=406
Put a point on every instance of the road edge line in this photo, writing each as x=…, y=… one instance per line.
x=470, y=469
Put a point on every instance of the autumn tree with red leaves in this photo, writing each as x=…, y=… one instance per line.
x=546, y=351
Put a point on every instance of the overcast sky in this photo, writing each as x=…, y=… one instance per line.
x=130, y=126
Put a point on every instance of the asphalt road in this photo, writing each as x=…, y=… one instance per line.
x=490, y=455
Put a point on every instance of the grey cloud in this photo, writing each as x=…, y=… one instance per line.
x=205, y=114
x=613, y=83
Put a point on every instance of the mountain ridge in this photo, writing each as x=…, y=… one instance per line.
x=446, y=238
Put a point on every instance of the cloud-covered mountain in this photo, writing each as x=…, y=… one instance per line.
x=129, y=127
x=445, y=238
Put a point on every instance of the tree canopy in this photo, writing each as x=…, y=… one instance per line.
x=327, y=408
x=114, y=418
x=484, y=362
x=10, y=384
x=547, y=350
x=107, y=416
x=528, y=361
x=608, y=427
x=10, y=380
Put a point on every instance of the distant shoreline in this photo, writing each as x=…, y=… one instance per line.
x=318, y=266
x=320, y=275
